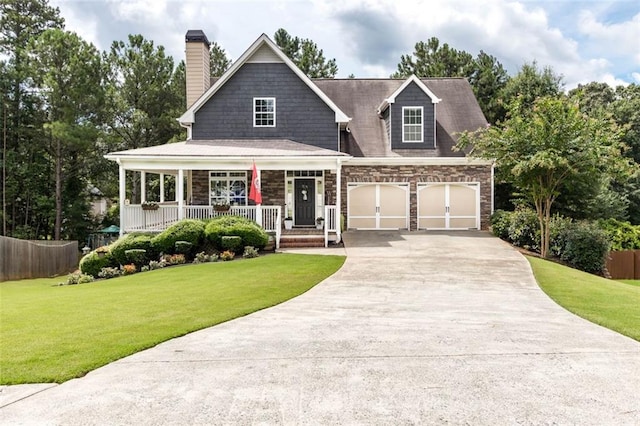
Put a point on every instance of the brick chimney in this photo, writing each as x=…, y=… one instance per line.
x=198, y=75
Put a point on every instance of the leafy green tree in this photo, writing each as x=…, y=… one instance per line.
x=25, y=189
x=430, y=59
x=622, y=105
x=306, y=55
x=485, y=73
x=488, y=79
x=218, y=59
x=142, y=99
x=69, y=75
x=542, y=148
x=529, y=84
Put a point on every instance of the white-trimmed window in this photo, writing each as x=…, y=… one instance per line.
x=264, y=112
x=228, y=188
x=412, y=124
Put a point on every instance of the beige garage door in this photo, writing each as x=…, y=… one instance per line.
x=377, y=206
x=449, y=206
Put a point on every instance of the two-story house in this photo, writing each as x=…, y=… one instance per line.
x=359, y=153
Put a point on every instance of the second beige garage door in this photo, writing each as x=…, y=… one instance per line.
x=377, y=206
x=449, y=206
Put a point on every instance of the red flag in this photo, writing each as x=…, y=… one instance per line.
x=254, y=192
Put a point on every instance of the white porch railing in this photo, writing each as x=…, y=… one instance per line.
x=137, y=219
x=331, y=223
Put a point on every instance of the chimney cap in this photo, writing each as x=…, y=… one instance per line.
x=196, y=36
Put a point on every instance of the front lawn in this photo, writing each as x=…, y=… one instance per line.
x=612, y=304
x=53, y=334
x=631, y=282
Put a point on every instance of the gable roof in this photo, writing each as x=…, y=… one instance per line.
x=457, y=111
x=412, y=79
x=263, y=50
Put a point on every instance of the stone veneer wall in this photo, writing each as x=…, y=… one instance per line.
x=200, y=187
x=418, y=174
x=272, y=182
x=272, y=187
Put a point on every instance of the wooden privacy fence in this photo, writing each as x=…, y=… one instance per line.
x=20, y=259
x=624, y=265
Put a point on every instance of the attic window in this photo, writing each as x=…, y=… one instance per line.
x=264, y=112
x=412, y=124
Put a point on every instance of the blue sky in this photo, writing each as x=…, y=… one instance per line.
x=582, y=40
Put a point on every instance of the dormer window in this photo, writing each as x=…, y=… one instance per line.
x=412, y=124
x=264, y=112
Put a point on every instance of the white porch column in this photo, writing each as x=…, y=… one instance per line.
x=338, y=199
x=162, y=187
x=180, y=193
x=189, y=186
x=143, y=187
x=122, y=193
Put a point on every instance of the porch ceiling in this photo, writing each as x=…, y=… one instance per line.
x=229, y=154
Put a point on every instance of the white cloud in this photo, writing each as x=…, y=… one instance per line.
x=622, y=39
x=367, y=37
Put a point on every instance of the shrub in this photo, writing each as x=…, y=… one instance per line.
x=130, y=242
x=183, y=247
x=524, y=229
x=145, y=268
x=136, y=256
x=154, y=264
x=622, y=235
x=129, y=269
x=250, y=233
x=189, y=230
x=558, y=229
x=232, y=243
x=78, y=278
x=203, y=257
x=586, y=247
x=500, y=221
x=93, y=262
x=110, y=272
x=227, y=255
x=250, y=252
x=174, y=259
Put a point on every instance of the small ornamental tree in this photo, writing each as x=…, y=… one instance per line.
x=547, y=147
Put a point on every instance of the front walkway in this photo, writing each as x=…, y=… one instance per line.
x=417, y=328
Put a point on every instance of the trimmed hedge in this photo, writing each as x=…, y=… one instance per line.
x=92, y=263
x=232, y=243
x=189, y=230
x=184, y=247
x=137, y=256
x=130, y=242
x=249, y=231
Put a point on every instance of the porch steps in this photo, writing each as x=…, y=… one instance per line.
x=302, y=238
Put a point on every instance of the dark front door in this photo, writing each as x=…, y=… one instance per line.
x=305, y=190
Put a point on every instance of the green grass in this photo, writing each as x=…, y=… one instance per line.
x=53, y=334
x=612, y=304
x=631, y=282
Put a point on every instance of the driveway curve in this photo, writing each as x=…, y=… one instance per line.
x=435, y=328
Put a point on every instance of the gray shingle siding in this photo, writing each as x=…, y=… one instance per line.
x=412, y=96
x=300, y=114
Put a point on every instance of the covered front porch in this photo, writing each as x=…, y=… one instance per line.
x=299, y=185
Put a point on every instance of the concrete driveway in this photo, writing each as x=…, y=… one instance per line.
x=417, y=328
